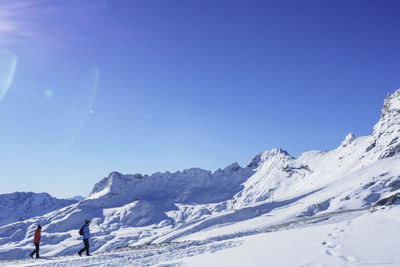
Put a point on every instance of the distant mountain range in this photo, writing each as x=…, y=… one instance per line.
x=20, y=206
x=195, y=203
x=77, y=198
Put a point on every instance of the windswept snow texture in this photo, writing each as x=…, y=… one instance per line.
x=199, y=206
x=20, y=206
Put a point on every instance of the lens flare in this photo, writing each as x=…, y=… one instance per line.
x=8, y=65
x=48, y=93
x=91, y=86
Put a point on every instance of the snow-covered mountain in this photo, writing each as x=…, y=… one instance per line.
x=195, y=204
x=20, y=206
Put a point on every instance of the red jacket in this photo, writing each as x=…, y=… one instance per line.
x=38, y=235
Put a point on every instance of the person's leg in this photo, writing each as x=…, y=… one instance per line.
x=87, y=246
x=33, y=252
x=81, y=251
x=37, y=250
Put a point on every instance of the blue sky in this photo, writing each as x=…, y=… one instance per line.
x=89, y=87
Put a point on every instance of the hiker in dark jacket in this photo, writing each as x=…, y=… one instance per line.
x=36, y=241
x=85, y=237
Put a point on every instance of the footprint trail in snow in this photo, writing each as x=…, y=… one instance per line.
x=331, y=246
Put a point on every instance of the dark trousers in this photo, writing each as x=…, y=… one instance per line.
x=86, y=242
x=36, y=251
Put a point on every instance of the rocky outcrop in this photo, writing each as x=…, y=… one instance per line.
x=385, y=140
x=388, y=200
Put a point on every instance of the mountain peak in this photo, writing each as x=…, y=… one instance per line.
x=115, y=175
x=273, y=153
x=390, y=114
x=348, y=140
x=391, y=105
x=385, y=138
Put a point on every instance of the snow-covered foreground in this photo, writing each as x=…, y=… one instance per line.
x=336, y=239
x=365, y=240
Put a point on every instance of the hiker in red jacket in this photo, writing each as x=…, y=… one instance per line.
x=36, y=241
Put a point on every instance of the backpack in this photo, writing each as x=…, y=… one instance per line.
x=81, y=230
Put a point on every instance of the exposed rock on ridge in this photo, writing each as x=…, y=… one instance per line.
x=385, y=138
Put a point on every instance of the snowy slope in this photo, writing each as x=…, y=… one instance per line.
x=359, y=238
x=197, y=204
x=365, y=240
x=20, y=206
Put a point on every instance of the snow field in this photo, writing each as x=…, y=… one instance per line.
x=340, y=239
